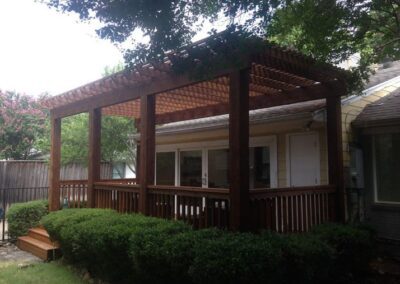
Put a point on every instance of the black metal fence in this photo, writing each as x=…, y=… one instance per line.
x=10, y=196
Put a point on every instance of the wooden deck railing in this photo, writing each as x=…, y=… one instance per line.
x=288, y=210
x=284, y=210
x=122, y=196
x=74, y=192
x=200, y=207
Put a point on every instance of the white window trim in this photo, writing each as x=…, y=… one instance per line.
x=204, y=146
x=288, y=156
x=374, y=177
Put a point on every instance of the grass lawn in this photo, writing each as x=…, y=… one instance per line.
x=43, y=273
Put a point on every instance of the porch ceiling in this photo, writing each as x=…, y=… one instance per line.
x=277, y=76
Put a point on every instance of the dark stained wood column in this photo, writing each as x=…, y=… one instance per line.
x=335, y=153
x=54, y=167
x=147, y=147
x=239, y=150
x=94, y=153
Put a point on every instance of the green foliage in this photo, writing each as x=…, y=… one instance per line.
x=116, y=142
x=22, y=122
x=134, y=248
x=23, y=216
x=353, y=248
x=236, y=258
x=99, y=239
x=329, y=30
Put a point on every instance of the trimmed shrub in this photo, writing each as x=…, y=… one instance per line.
x=353, y=248
x=236, y=258
x=99, y=240
x=306, y=259
x=167, y=254
x=23, y=216
x=125, y=248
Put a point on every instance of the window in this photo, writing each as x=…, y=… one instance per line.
x=191, y=168
x=260, y=173
x=165, y=168
x=218, y=176
x=118, y=170
x=386, y=167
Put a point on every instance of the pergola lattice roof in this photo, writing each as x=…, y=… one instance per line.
x=277, y=76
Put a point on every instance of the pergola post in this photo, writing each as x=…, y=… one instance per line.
x=239, y=150
x=335, y=153
x=94, y=153
x=55, y=159
x=147, y=147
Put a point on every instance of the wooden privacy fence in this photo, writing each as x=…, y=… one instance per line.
x=284, y=210
x=22, y=181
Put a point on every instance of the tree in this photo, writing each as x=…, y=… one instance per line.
x=330, y=30
x=22, y=121
x=116, y=140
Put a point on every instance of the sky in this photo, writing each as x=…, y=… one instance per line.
x=42, y=50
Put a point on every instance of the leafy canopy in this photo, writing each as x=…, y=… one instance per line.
x=22, y=122
x=330, y=30
x=116, y=141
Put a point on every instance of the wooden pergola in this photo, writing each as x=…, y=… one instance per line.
x=155, y=94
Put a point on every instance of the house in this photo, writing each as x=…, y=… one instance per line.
x=252, y=144
x=377, y=133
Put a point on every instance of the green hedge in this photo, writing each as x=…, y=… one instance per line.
x=23, y=216
x=133, y=248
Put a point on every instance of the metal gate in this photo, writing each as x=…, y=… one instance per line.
x=10, y=196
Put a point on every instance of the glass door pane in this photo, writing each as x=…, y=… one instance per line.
x=218, y=176
x=165, y=168
x=259, y=159
x=191, y=168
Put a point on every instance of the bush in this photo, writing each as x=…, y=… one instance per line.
x=23, y=216
x=134, y=248
x=306, y=259
x=167, y=254
x=236, y=258
x=99, y=240
x=353, y=247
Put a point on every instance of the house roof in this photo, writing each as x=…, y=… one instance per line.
x=255, y=116
x=383, y=111
x=384, y=73
x=278, y=76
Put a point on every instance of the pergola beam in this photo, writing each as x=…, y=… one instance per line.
x=239, y=150
x=163, y=84
x=314, y=92
x=335, y=153
x=54, y=167
x=94, y=153
x=147, y=148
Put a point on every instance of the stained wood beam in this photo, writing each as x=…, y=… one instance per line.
x=335, y=153
x=55, y=160
x=314, y=92
x=239, y=150
x=94, y=153
x=163, y=84
x=147, y=148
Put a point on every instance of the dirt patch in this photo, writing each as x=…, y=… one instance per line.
x=9, y=253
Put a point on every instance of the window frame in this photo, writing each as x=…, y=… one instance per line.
x=374, y=174
x=204, y=146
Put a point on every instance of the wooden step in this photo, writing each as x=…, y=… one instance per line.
x=41, y=235
x=36, y=247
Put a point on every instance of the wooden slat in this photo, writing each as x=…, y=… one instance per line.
x=55, y=160
x=94, y=152
x=239, y=150
x=147, y=149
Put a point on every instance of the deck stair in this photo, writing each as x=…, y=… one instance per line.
x=38, y=243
